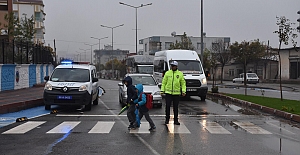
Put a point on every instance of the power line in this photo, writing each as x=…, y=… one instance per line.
x=88, y=42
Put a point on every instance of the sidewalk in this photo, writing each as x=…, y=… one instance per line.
x=290, y=91
x=16, y=100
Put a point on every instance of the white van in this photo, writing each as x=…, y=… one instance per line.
x=189, y=64
x=71, y=84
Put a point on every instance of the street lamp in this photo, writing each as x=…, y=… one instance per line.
x=112, y=39
x=84, y=52
x=91, y=51
x=99, y=47
x=136, y=28
x=112, y=34
x=79, y=57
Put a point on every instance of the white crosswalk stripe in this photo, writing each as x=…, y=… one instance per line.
x=102, y=127
x=23, y=128
x=214, y=128
x=177, y=128
x=144, y=128
x=64, y=127
x=251, y=128
x=105, y=127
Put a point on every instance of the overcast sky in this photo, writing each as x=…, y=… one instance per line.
x=73, y=22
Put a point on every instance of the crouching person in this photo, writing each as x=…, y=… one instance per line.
x=141, y=104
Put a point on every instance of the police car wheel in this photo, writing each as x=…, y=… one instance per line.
x=88, y=107
x=47, y=107
x=96, y=102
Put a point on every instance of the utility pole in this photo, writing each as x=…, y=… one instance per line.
x=201, y=31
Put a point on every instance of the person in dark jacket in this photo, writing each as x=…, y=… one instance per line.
x=131, y=96
x=140, y=102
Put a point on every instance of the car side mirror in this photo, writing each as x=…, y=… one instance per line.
x=46, y=78
x=95, y=80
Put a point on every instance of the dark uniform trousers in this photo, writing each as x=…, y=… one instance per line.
x=169, y=99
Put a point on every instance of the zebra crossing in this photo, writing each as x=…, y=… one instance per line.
x=105, y=127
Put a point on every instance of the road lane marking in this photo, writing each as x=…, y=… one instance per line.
x=139, y=137
x=177, y=128
x=142, y=129
x=213, y=127
x=102, y=127
x=251, y=128
x=23, y=128
x=64, y=127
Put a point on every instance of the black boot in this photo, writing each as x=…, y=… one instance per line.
x=176, y=121
x=167, y=121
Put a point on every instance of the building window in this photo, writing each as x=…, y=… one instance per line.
x=146, y=47
x=16, y=14
x=167, y=45
x=231, y=72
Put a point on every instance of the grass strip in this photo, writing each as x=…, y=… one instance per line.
x=291, y=106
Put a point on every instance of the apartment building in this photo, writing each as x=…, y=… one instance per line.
x=107, y=54
x=156, y=43
x=28, y=9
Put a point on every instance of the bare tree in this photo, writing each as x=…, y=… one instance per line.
x=223, y=55
x=285, y=34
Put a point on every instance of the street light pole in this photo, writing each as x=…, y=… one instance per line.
x=99, y=49
x=112, y=38
x=79, y=55
x=136, y=27
x=201, y=31
x=112, y=34
x=84, y=53
x=91, y=51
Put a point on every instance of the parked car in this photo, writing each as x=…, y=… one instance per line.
x=150, y=86
x=250, y=77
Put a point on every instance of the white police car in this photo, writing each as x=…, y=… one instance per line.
x=71, y=84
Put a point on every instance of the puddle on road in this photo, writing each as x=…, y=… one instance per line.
x=234, y=106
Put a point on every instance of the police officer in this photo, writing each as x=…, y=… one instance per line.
x=173, y=85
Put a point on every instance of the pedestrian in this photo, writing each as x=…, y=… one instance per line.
x=173, y=85
x=141, y=105
x=131, y=96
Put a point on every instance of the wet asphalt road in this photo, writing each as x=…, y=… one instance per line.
x=210, y=127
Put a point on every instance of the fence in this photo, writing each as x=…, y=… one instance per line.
x=20, y=52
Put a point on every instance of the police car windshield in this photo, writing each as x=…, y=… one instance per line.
x=70, y=75
x=189, y=66
x=145, y=80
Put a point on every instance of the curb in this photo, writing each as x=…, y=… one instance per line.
x=275, y=112
x=18, y=106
